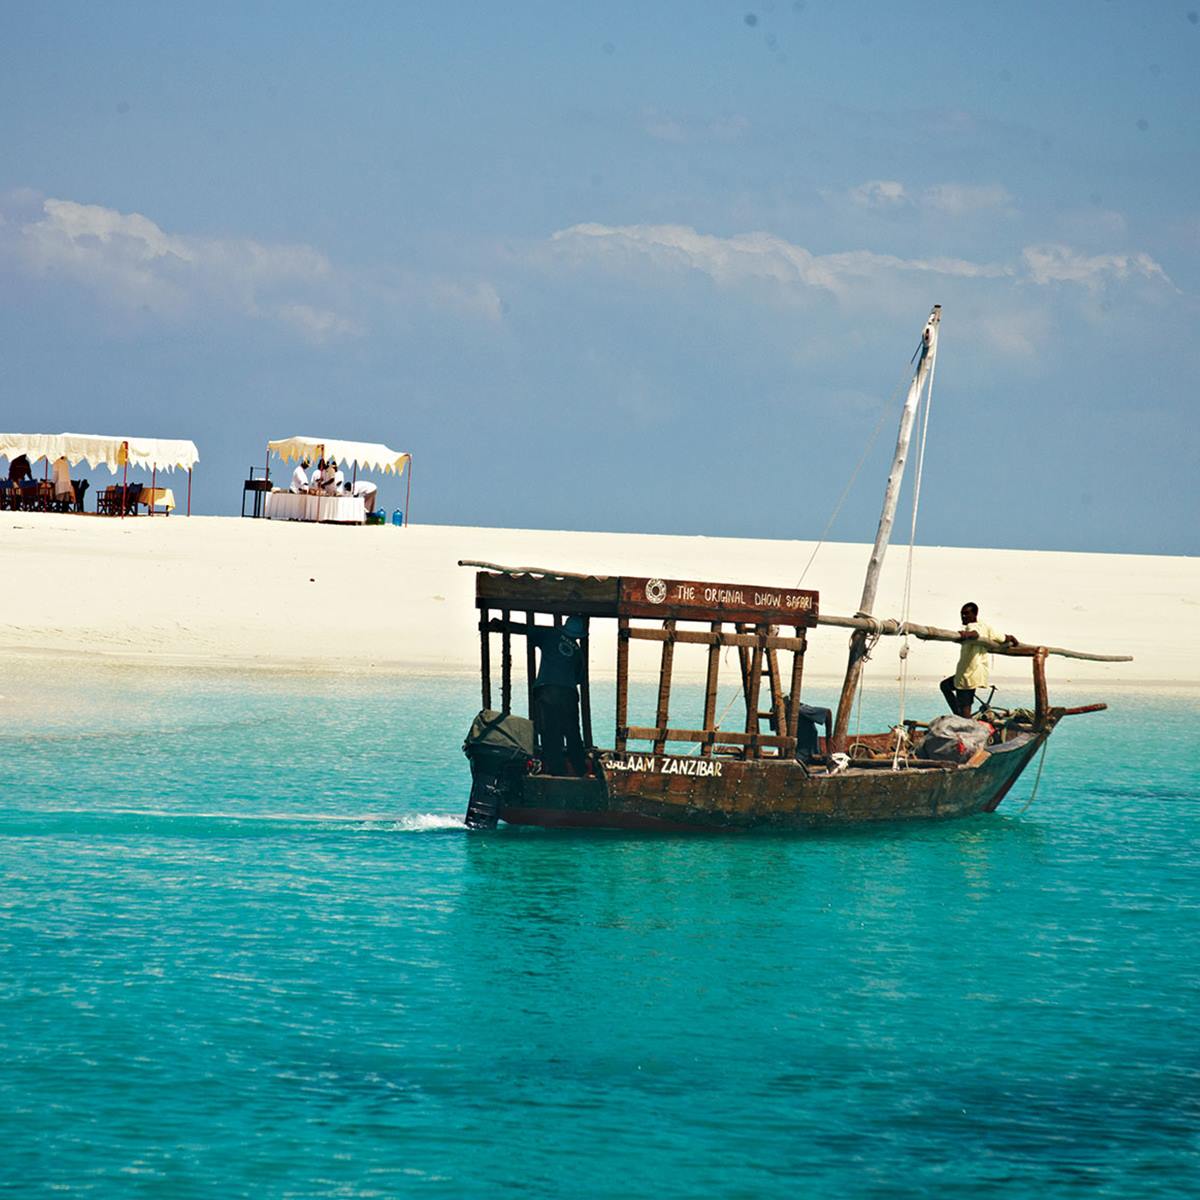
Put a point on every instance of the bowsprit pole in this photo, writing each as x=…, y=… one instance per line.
x=926, y=354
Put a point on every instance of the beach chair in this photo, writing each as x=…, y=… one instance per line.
x=133, y=497
x=108, y=500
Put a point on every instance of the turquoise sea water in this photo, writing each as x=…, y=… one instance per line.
x=247, y=949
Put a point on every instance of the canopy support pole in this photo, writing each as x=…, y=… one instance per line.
x=153, y=485
x=408, y=492
x=189, y=508
x=124, y=477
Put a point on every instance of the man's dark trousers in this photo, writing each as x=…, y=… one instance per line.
x=556, y=714
x=959, y=699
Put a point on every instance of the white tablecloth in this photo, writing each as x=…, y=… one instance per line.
x=290, y=506
x=158, y=497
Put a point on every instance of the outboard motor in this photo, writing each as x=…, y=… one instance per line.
x=499, y=747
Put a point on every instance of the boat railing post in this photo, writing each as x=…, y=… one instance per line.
x=530, y=659
x=1041, y=706
x=620, y=741
x=779, y=721
x=710, y=688
x=585, y=689
x=485, y=657
x=793, y=703
x=754, y=750
x=662, y=713
x=505, y=663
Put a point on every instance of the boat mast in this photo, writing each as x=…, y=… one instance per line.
x=891, y=495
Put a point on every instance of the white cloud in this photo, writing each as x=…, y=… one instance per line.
x=766, y=259
x=317, y=325
x=1056, y=263
x=130, y=262
x=879, y=193
x=751, y=256
x=943, y=199
x=962, y=199
x=134, y=266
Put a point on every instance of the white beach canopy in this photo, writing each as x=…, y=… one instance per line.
x=370, y=455
x=99, y=450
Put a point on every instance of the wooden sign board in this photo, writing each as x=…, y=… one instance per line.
x=692, y=600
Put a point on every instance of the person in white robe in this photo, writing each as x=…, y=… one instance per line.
x=64, y=489
x=369, y=491
x=300, y=477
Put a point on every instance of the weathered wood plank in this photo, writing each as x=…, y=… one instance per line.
x=703, y=637
x=648, y=733
x=584, y=597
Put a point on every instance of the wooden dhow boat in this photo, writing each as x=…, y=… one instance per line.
x=773, y=772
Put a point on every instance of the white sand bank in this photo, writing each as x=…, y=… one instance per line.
x=219, y=591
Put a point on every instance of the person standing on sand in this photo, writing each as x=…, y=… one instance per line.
x=973, y=659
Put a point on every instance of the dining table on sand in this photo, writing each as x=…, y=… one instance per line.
x=305, y=506
x=157, y=497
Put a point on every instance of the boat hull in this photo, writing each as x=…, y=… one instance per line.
x=672, y=793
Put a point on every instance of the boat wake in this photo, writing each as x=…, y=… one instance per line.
x=242, y=821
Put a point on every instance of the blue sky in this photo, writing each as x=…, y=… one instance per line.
x=652, y=267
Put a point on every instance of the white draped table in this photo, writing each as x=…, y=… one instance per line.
x=292, y=506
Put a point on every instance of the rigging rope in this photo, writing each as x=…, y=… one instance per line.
x=1037, y=779
x=837, y=508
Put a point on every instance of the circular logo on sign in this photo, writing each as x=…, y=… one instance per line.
x=656, y=591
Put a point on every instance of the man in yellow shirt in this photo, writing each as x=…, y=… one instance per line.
x=973, y=660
